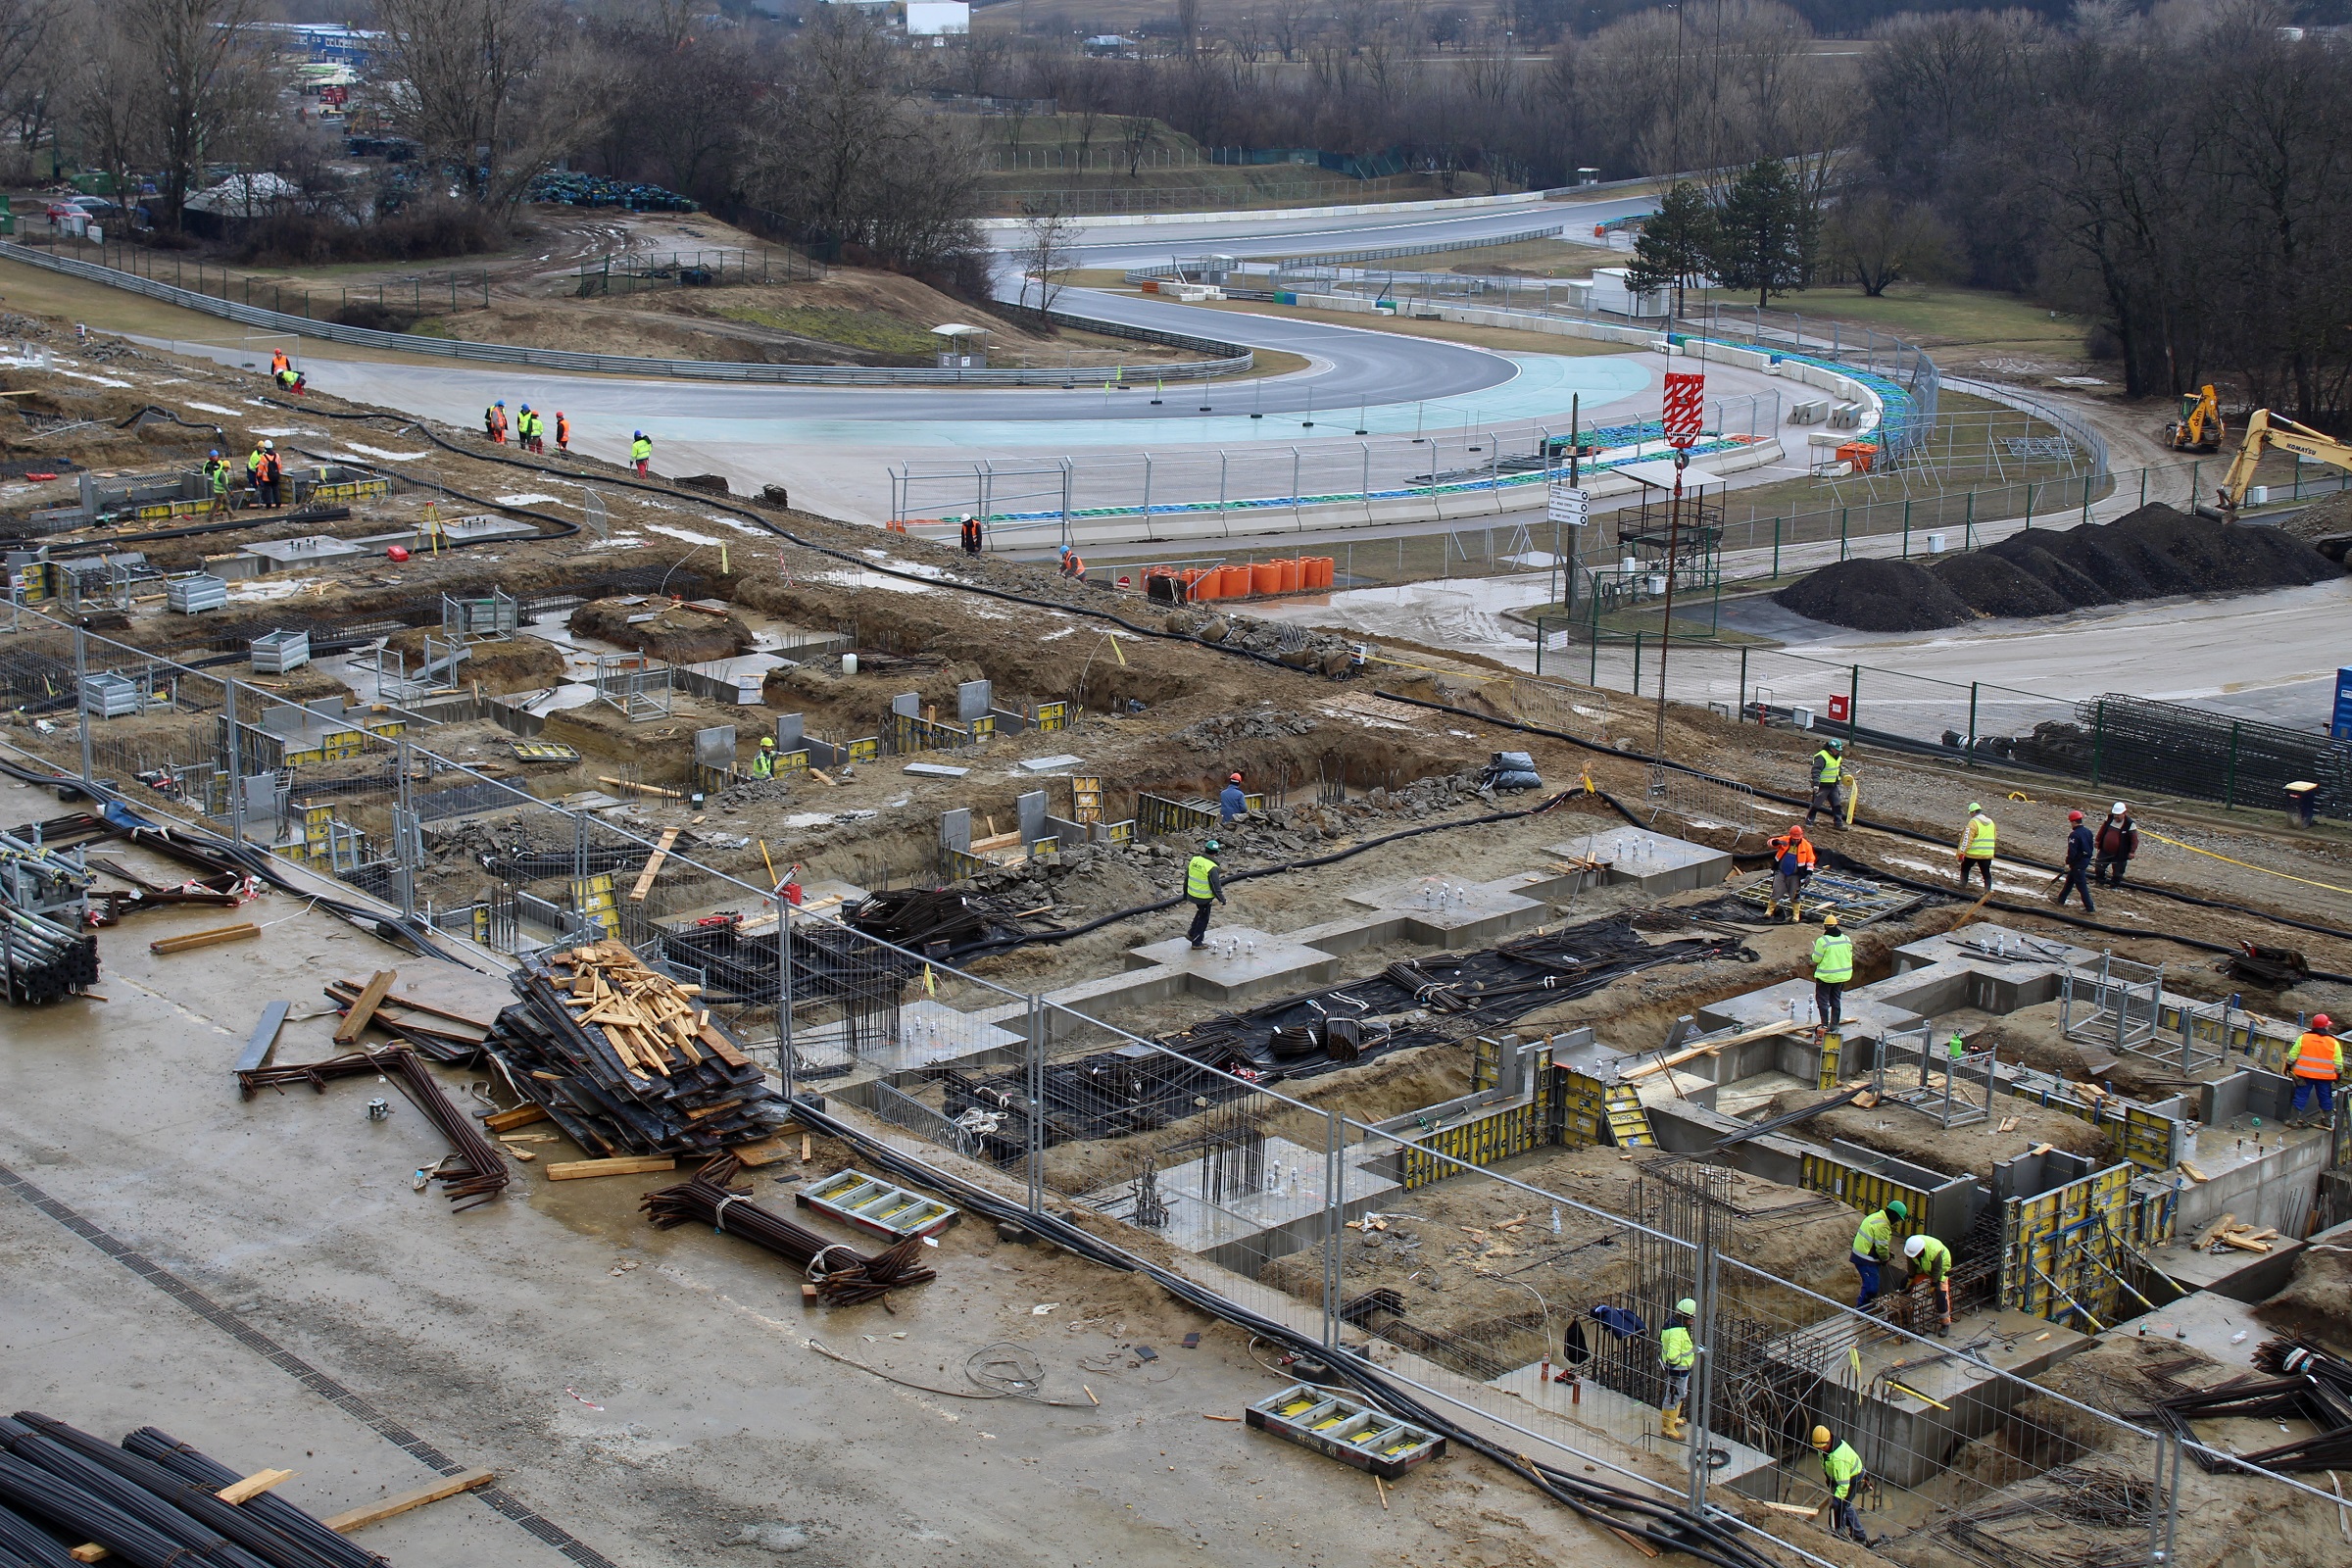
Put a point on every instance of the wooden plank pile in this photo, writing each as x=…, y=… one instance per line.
x=626, y=1061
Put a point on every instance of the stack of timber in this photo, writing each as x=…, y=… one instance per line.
x=626, y=1060
x=434, y=1029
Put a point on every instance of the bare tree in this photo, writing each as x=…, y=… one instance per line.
x=493, y=87
x=1882, y=240
x=202, y=77
x=34, y=34
x=1046, y=253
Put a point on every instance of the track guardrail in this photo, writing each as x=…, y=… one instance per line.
x=1233, y=356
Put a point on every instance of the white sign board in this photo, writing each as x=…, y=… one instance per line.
x=1570, y=504
x=1556, y=641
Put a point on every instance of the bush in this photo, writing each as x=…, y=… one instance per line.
x=413, y=233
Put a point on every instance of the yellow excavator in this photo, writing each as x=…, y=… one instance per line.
x=2265, y=430
x=2199, y=427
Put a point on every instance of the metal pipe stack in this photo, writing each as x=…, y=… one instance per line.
x=45, y=905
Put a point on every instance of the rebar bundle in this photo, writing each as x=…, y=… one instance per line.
x=291, y=1523
x=474, y=1173
x=840, y=1275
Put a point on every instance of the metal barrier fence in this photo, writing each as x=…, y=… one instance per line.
x=1445, y=465
x=1234, y=357
x=1477, y=1293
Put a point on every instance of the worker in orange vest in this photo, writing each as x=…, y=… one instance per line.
x=1793, y=861
x=278, y=366
x=2318, y=1062
x=562, y=434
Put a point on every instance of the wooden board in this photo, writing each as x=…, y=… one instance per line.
x=264, y=1036
x=405, y=1003
x=205, y=939
x=520, y=1116
x=344, y=1523
x=1709, y=1049
x=254, y=1485
x=355, y=1022
x=652, y=865
x=624, y=1166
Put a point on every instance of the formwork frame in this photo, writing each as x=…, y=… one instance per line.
x=2115, y=1005
x=1959, y=1095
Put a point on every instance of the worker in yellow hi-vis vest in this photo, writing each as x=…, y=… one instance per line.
x=1975, y=852
x=1677, y=1355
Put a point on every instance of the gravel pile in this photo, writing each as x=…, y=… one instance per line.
x=2148, y=554
x=1876, y=596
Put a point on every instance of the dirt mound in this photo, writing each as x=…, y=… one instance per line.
x=665, y=631
x=497, y=665
x=2328, y=519
x=2316, y=1305
x=2148, y=554
x=1993, y=586
x=1876, y=596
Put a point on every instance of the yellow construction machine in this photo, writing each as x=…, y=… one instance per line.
x=2265, y=430
x=2199, y=427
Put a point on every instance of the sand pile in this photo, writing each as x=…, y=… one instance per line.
x=2148, y=554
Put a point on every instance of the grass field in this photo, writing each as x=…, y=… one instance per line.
x=1485, y=337
x=1935, y=315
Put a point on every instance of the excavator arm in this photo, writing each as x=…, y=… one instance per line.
x=2265, y=430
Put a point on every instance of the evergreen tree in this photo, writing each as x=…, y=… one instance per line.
x=1678, y=246
x=1765, y=240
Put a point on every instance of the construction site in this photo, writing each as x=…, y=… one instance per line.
x=558, y=1012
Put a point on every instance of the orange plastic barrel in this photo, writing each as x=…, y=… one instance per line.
x=1265, y=578
x=1320, y=575
x=1232, y=581
x=1286, y=576
x=1188, y=580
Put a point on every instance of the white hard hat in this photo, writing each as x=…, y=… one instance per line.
x=1915, y=1246
x=2119, y=808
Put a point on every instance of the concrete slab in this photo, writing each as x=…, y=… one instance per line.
x=2239, y=1275
x=1243, y=1230
x=1238, y=962
x=934, y=770
x=1748, y=1471
x=1656, y=862
x=303, y=550
x=1446, y=912
x=930, y=1034
x=1911, y=1439
x=1048, y=765
x=2219, y=1325
x=1794, y=998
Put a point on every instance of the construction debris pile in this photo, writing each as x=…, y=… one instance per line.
x=626, y=1061
x=837, y=1274
x=45, y=952
x=2307, y=1386
x=66, y=1496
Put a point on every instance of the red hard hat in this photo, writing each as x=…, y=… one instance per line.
x=398, y=553
x=2073, y=816
x=2320, y=1023
x=1235, y=778
x=1796, y=830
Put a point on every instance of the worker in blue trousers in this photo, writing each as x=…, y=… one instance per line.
x=1874, y=1246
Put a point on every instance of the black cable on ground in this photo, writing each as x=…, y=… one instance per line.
x=1913, y=834
x=1026, y=939
x=1668, y=1526
x=401, y=930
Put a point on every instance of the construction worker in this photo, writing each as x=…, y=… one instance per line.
x=562, y=434
x=1828, y=763
x=253, y=471
x=969, y=533
x=2319, y=1062
x=2078, y=852
x=1832, y=967
x=641, y=452
x=1791, y=864
x=272, y=471
x=1874, y=1245
x=1071, y=566
x=1230, y=802
x=216, y=483
x=1975, y=852
x=278, y=366
x=523, y=427
x=1203, y=884
x=1677, y=1354
x=1933, y=1259
x=763, y=765
x=1841, y=1473
x=2118, y=840
x=494, y=422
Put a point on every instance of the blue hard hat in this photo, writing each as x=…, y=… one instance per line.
x=500, y=404
x=216, y=452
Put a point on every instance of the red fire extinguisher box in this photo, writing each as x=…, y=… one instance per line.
x=1840, y=709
